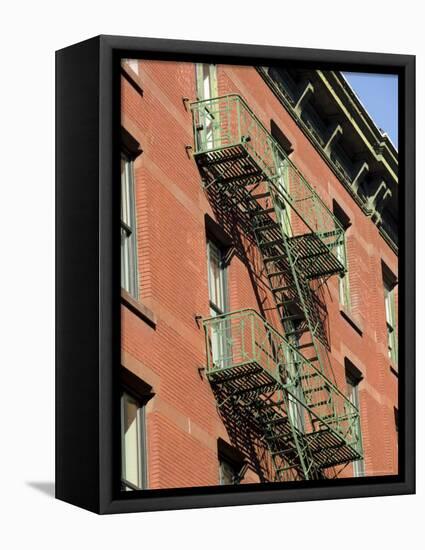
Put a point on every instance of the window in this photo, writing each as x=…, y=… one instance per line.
x=341, y=254
x=228, y=472
x=217, y=286
x=133, y=443
x=232, y=466
x=389, y=281
x=343, y=281
x=353, y=377
x=283, y=210
x=206, y=81
x=208, y=133
x=217, y=280
x=129, y=272
x=280, y=137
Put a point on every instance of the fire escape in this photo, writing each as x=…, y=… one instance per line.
x=277, y=385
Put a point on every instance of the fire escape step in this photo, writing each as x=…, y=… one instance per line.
x=282, y=451
x=320, y=403
x=273, y=404
x=312, y=390
x=272, y=243
x=308, y=345
x=285, y=436
x=283, y=303
x=273, y=225
x=280, y=288
x=307, y=376
x=291, y=317
x=326, y=417
x=278, y=421
x=263, y=212
x=299, y=331
x=259, y=196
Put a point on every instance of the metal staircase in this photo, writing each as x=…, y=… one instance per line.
x=269, y=387
x=246, y=171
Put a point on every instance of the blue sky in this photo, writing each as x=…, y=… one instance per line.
x=379, y=94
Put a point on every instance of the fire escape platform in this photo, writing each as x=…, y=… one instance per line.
x=241, y=379
x=228, y=165
x=313, y=257
x=329, y=449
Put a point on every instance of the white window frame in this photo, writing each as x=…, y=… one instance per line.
x=353, y=396
x=218, y=304
x=207, y=88
x=390, y=318
x=343, y=280
x=344, y=295
x=129, y=263
x=282, y=183
x=206, y=81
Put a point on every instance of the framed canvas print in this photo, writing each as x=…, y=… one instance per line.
x=235, y=274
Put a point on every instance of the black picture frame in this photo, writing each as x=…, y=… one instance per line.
x=87, y=277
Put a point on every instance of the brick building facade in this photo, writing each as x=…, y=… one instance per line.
x=189, y=254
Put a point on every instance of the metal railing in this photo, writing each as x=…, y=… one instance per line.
x=243, y=337
x=225, y=122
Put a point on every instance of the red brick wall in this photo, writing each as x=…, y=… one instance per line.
x=182, y=421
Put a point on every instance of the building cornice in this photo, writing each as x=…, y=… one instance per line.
x=361, y=121
x=377, y=148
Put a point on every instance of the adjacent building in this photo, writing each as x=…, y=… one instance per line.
x=259, y=278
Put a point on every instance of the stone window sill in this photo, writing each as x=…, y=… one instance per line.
x=132, y=77
x=393, y=367
x=138, y=308
x=351, y=320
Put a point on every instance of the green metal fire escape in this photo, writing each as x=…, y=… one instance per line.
x=306, y=422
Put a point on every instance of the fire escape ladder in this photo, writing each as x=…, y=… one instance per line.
x=300, y=311
x=289, y=453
